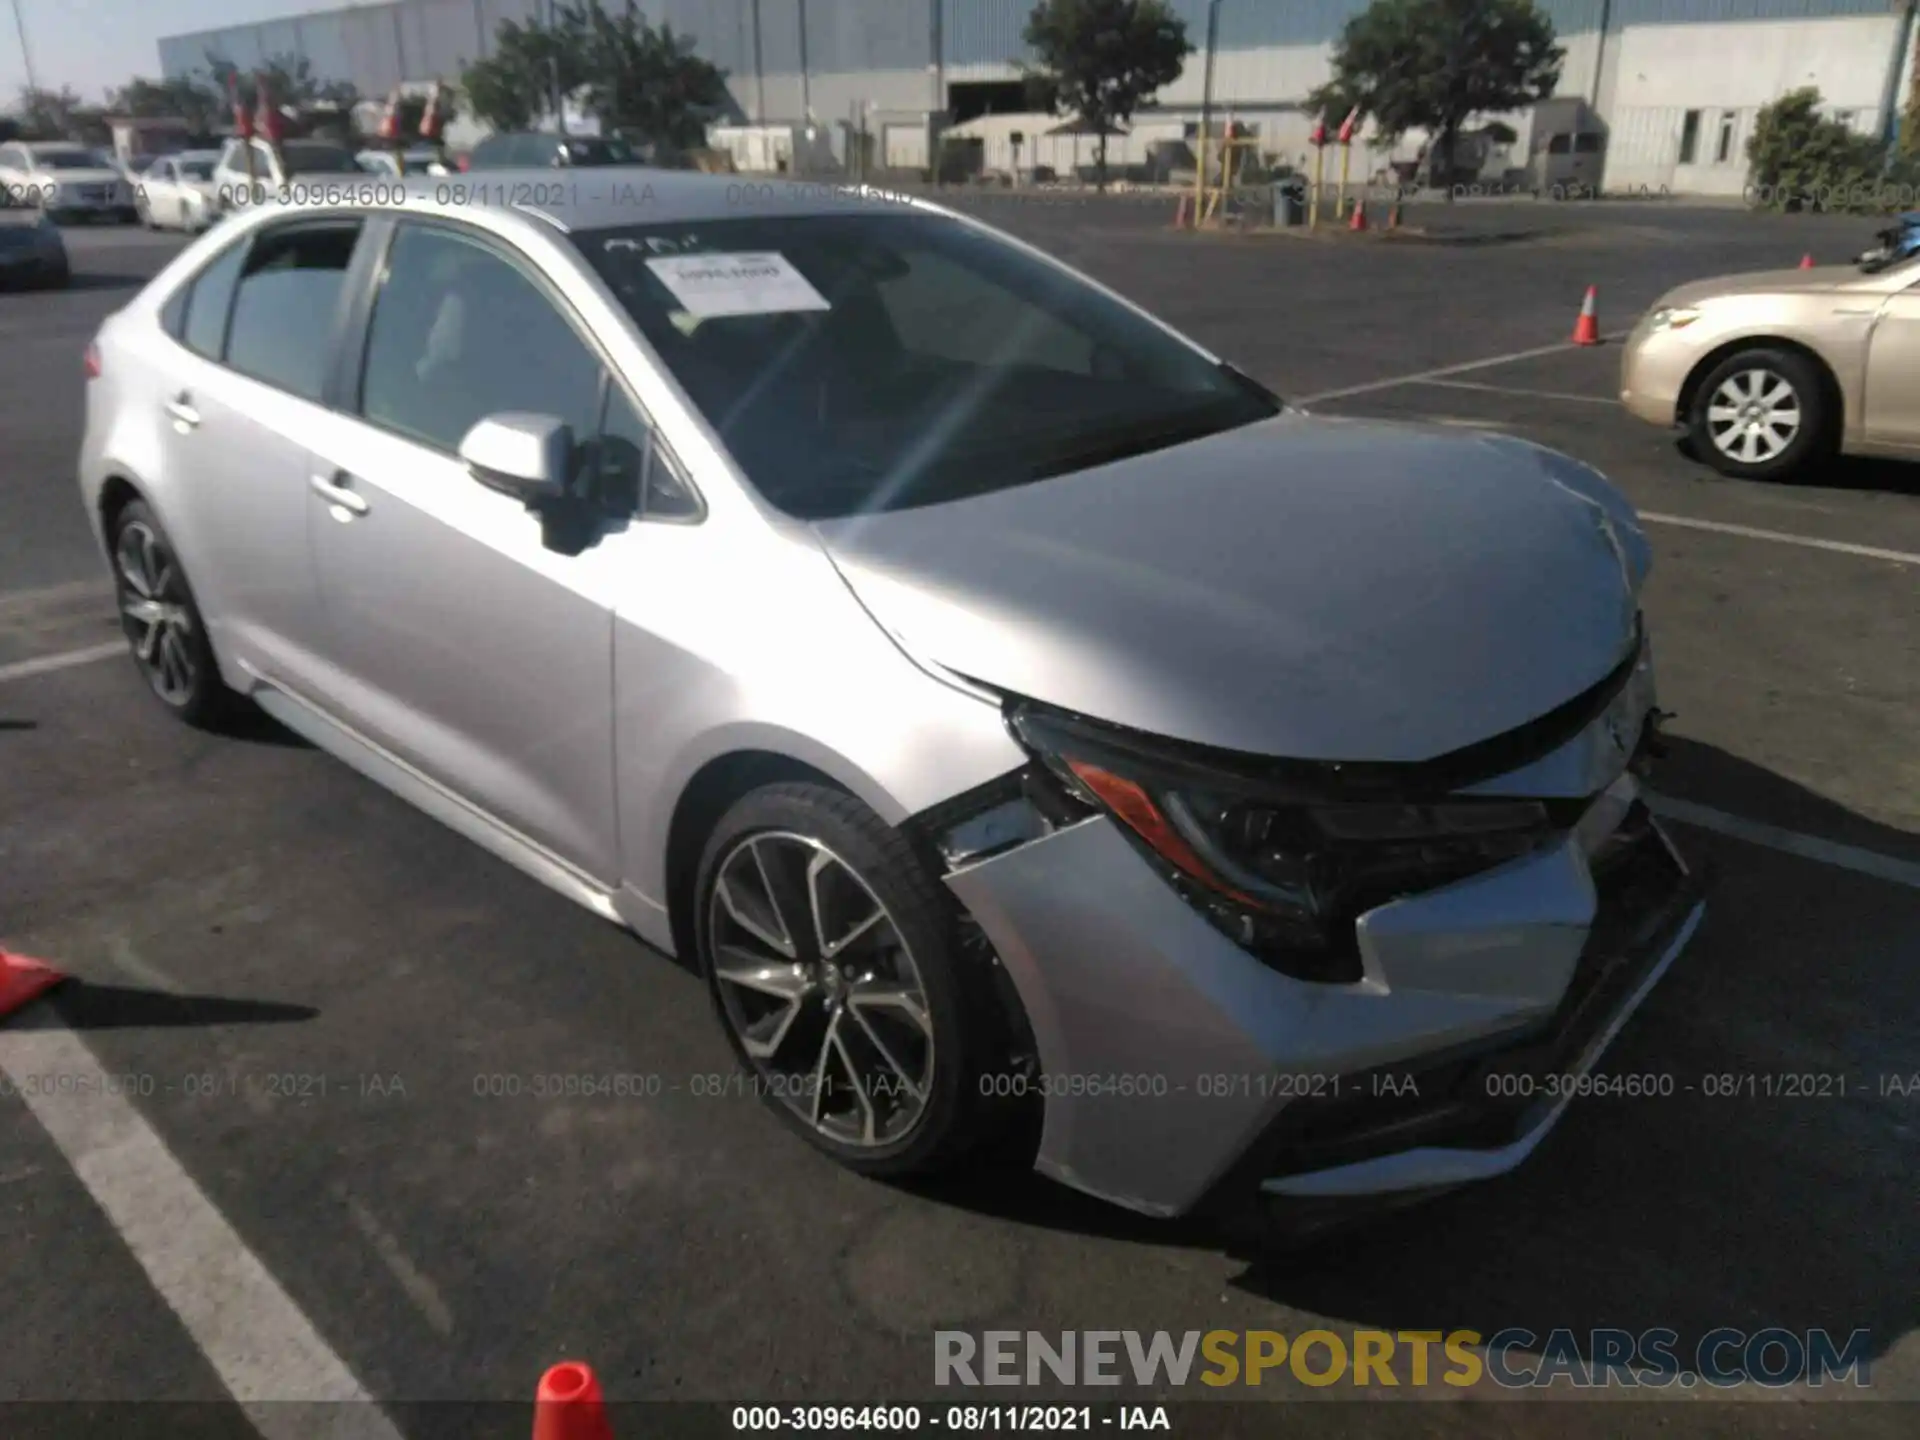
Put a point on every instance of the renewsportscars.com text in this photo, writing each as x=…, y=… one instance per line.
x=1512, y=1358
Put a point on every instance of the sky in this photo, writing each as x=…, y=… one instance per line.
x=96, y=45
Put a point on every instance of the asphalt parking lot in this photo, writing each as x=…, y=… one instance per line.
x=316, y=982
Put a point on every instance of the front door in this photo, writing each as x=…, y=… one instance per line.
x=1891, y=414
x=459, y=641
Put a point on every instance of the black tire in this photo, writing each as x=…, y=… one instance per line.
x=1760, y=371
x=959, y=1003
x=58, y=278
x=182, y=673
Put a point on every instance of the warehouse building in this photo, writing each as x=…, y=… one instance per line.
x=1662, y=94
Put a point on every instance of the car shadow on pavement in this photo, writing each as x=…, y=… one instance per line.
x=252, y=724
x=81, y=1005
x=1759, y=1187
x=1840, y=472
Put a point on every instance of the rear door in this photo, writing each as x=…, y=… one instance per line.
x=459, y=640
x=246, y=387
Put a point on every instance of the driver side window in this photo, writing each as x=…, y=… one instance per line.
x=458, y=333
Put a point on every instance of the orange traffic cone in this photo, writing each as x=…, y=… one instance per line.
x=1806, y=261
x=568, y=1406
x=22, y=981
x=1586, y=330
x=1359, y=220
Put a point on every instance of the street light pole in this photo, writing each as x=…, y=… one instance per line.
x=26, y=55
x=553, y=66
x=1206, y=112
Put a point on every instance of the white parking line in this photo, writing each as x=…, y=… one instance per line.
x=1782, y=537
x=65, y=660
x=1464, y=368
x=1516, y=390
x=265, y=1351
x=1789, y=842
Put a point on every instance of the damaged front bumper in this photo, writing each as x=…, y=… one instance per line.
x=1173, y=1067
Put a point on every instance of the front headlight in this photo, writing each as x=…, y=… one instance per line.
x=1672, y=317
x=1283, y=857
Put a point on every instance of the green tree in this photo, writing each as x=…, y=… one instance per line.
x=644, y=82
x=51, y=114
x=187, y=97
x=1799, y=159
x=514, y=87
x=1100, y=58
x=1432, y=64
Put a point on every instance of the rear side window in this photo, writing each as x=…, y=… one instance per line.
x=285, y=305
x=209, y=299
x=1560, y=145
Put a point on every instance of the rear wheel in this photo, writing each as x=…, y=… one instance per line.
x=1760, y=414
x=162, y=623
x=834, y=964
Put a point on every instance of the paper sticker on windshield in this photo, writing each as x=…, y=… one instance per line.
x=711, y=286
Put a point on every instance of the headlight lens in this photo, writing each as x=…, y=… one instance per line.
x=1282, y=872
x=1672, y=317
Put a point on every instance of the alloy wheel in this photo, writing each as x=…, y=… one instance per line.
x=1753, y=416
x=155, y=613
x=821, y=989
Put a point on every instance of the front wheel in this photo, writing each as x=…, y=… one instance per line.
x=834, y=964
x=1760, y=414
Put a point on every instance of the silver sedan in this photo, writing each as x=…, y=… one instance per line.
x=1023, y=718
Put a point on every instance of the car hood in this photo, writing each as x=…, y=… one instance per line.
x=1818, y=280
x=1309, y=588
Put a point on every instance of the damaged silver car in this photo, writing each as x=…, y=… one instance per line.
x=1017, y=712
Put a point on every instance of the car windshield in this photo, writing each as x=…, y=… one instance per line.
x=596, y=152
x=195, y=169
x=857, y=362
x=309, y=159
x=68, y=160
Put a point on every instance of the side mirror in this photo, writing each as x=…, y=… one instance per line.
x=526, y=456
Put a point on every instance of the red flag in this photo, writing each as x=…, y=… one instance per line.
x=390, y=118
x=1346, y=125
x=430, y=121
x=1319, y=135
x=242, y=117
x=269, y=122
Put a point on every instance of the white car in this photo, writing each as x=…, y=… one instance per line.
x=421, y=161
x=275, y=170
x=68, y=181
x=176, y=192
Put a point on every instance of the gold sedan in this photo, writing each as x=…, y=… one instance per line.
x=1771, y=371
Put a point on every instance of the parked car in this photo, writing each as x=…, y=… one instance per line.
x=519, y=149
x=274, y=169
x=178, y=192
x=1004, y=701
x=31, y=249
x=425, y=161
x=1770, y=373
x=69, y=181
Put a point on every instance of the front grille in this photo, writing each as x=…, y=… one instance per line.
x=1445, y=1099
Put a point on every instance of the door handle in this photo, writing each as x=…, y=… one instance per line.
x=337, y=492
x=181, y=412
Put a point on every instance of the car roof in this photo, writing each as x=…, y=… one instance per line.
x=608, y=196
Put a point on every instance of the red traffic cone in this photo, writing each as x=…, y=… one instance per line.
x=1806, y=261
x=568, y=1406
x=1359, y=220
x=22, y=981
x=1586, y=330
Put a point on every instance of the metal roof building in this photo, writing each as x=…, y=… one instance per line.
x=1674, y=83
